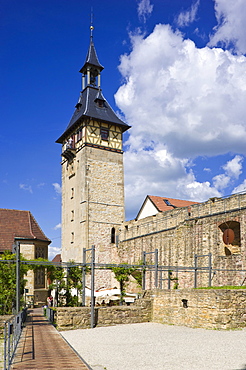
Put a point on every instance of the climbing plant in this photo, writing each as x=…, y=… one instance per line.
x=8, y=282
x=122, y=275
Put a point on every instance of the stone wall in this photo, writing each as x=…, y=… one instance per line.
x=210, y=309
x=182, y=233
x=80, y=317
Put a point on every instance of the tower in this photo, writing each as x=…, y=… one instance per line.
x=92, y=169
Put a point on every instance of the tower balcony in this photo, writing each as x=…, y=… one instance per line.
x=69, y=153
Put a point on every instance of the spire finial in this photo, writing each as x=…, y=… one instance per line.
x=91, y=26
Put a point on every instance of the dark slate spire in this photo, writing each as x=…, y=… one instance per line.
x=91, y=101
x=91, y=58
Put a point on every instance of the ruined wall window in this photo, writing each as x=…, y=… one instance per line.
x=72, y=237
x=72, y=215
x=230, y=234
x=104, y=133
x=72, y=193
x=113, y=235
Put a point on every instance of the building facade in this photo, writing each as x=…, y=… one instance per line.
x=21, y=226
x=92, y=170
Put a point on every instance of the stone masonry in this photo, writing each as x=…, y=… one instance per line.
x=181, y=233
x=208, y=309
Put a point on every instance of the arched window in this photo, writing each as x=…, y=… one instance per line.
x=113, y=235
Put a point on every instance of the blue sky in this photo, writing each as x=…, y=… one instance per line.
x=174, y=69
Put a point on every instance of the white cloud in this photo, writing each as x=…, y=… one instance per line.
x=233, y=170
x=230, y=31
x=57, y=227
x=221, y=181
x=41, y=185
x=240, y=188
x=57, y=188
x=188, y=98
x=53, y=251
x=182, y=102
x=26, y=187
x=187, y=17
x=144, y=9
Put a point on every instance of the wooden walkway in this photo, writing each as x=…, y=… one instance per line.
x=42, y=347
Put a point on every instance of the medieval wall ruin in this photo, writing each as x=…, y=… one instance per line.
x=216, y=226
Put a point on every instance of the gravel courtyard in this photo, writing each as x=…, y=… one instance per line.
x=152, y=346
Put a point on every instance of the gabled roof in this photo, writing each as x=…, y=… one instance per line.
x=20, y=225
x=160, y=204
x=88, y=107
x=57, y=258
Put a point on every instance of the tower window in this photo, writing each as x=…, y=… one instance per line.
x=104, y=134
x=113, y=235
x=79, y=134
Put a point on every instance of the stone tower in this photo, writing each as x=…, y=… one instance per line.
x=92, y=170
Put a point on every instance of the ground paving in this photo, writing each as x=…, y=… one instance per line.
x=42, y=347
x=152, y=346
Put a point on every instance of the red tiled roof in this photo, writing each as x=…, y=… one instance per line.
x=57, y=258
x=18, y=224
x=161, y=205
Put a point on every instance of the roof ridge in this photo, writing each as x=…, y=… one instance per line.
x=30, y=225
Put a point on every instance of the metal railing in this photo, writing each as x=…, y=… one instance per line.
x=50, y=314
x=12, y=332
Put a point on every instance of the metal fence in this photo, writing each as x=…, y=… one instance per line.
x=50, y=313
x=12, y=332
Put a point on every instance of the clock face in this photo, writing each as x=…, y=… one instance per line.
x=228, y=236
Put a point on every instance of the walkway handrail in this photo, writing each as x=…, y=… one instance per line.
x=12, y=332
x=50, y=313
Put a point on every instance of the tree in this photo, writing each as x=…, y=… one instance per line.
x=74, y=281
x=8, y=282
x=58, y=283
x=122, y=276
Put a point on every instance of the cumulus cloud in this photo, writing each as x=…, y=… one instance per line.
x=240, y=188
x=188, y=98
x=233, y=170
x=144, y=9
x=182, y=102
x=230, y=30
x=26, y=188
x=57, y=188
x=187, y=17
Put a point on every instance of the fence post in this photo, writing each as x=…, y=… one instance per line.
x=210, y=269
x=195, y=272
x=17, y=277
x=92, y=286
x=144, y=273
x=83, y=277
x=5, y=346
x=156, y=268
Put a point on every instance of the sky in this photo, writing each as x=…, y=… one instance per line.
x=175, y=71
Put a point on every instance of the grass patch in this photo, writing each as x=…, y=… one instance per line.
x=224, y=287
